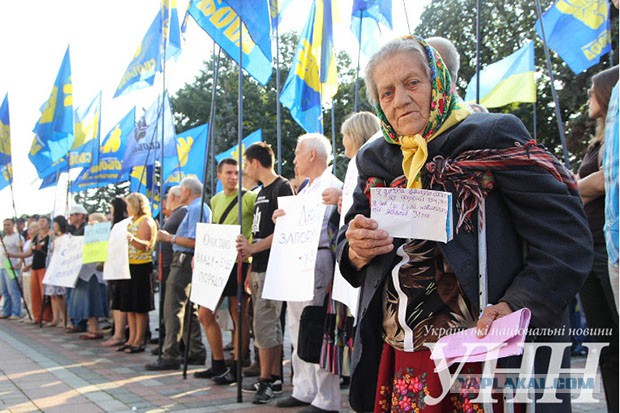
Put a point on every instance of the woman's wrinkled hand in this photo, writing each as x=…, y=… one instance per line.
x=366, y=241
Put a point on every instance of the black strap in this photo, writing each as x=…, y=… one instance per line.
x=230, y=207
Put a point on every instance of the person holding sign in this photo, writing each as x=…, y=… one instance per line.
x=226, y=212
x=179, y=280
x=138, y=300
x=259, y=161
x=539, y=248
x=57, y=293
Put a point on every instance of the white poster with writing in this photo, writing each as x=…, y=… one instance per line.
x=413, y=213
x=214, y=257
x=290, y=270
x=66, y=261
x=116, y=266
x=342, y=291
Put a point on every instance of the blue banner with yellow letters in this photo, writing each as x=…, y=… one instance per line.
x=223, y=25
x=6, y=166
x=191, y=153
x=578, y=31
x=54, y=134
x=109, y=169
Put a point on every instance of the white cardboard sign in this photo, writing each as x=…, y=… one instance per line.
x=117, y=265
x=66, y=261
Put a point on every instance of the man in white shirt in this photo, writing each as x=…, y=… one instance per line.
x=10, y=272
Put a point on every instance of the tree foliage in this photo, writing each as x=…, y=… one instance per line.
x=505, y=27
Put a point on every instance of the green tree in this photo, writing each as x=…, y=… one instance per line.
x=505, y=27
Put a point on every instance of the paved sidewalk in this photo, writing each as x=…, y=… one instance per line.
x=51, y=371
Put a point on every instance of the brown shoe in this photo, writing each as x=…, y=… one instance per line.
x=252, y=371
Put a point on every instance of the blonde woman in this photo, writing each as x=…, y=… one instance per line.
x=137, y=299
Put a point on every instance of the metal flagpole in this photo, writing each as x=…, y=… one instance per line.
x=333, y=137
x=553, y=91
x=278, y=110
x=406, y=16
x=240, y=220
x=357, y=70
x=534, y=116
x=210, y=155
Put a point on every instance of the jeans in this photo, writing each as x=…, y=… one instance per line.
x=10, y=292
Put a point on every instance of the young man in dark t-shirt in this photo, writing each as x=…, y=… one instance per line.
x=259, y=160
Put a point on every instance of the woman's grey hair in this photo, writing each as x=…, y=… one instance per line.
x=194, y=185
x=394, y=47
x=360, y=127
x=319, y=144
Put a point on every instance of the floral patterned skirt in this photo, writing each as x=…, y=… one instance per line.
x=405, y=378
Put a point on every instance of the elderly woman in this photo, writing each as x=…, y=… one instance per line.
x=539, y=249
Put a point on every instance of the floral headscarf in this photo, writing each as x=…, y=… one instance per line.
x=447, y=109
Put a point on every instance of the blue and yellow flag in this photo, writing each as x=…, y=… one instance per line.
x=312, y=80
x=147, y=60
x=54, y=134
x=50, y=180
x=222, y=23
x=141, y=179
x=191, y=153
x=109, y=169
x=276, y=8
x=85, y=147
x=6, y=166
x=257, y=19
x=507, y=81
x=578, y=31
x=367, y=16
x=146, y=143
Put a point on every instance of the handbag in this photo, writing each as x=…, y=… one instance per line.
x=311, y=330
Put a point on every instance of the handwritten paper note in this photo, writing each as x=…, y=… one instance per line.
x=290, y=271
x=66, y=262
x=96, y=242
x=214, y=257
x=117, y=265
x=413, y=213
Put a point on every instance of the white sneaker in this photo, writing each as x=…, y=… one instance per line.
x=14, y=317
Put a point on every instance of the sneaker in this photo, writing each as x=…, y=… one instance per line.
x=208, y=373
x=276, y=386
x=225, y=378
x=14, y=317
x=264, y=394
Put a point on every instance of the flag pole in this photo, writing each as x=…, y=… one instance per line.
x=240, y=217
x=278, y=112
x=210, y=155
x=477, y=52
x=333, y=137
x=558, y=115
x=357, y=70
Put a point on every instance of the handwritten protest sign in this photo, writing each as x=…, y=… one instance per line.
x=66, y=262
x=214, y=257
x=290, y=271
x=96, y=242
x=117, y=264
x=413, y=213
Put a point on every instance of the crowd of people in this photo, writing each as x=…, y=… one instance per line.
x=540, y=242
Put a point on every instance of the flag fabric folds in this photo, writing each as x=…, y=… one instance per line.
x=54, y=134
x=257, y=19
x=147, y=59
x=222, y=23
x=276, y=8
x=506, y=81
x=578, y=31
x=189, y=160
x=367, y=16
x=50, y=180
x=6, y=166
x=312, y=80
x=109, y=169
x=145, y=144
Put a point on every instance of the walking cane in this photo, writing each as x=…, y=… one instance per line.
x=188, y=323
x=19, y=286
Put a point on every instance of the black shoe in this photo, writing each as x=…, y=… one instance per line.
x=163, y=364
x=276, y=386
x=225, y=378
x=155, y=351
x=208, y=373
x=291, y=402
x=196, y=361
x=314, y=409
x=264, y=394
x=246, y=362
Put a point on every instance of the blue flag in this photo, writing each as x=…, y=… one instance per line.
x=507, y=81
x=109, y=169
x=313, y=77
x=54, y=131
x=50, y=180
x=578, y=31
x=224, y=26
x=191, y=153
x=256, y=136
x=366, y=19
x=141, y=180
x=145, y=144
x=6, y=166
x=276, y=8
x=86, y=144
x=257, y=19
x=147, y=60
